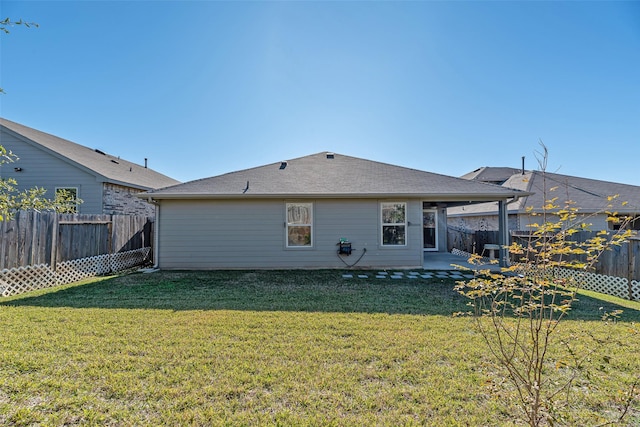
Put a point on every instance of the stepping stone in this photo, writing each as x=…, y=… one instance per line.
x=347, y=276
x=413, y=273
x=412, y=277
x=397, y=277
x=426, y=276
x=362, y=276
x=382, y=273
x=398, y=273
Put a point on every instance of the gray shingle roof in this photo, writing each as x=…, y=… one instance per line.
x=318, y=175
x=588, y=195
x=491, y=174
x=112, y=169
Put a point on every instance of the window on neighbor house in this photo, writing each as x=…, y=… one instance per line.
x=633, y=224
x=394, y=223
x=299, y=225
x=67, y=198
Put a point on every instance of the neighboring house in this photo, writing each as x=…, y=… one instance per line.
x=589, y=196
x=491, y=175
x=295, y=214
x=105, y=184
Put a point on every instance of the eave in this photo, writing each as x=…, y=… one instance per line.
x=454, y=198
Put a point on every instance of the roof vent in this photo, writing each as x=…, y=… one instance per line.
x=100, y=152
x=283, y=165
x=115, y=161
x=331, y=156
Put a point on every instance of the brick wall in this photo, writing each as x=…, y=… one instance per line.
x=118, y=199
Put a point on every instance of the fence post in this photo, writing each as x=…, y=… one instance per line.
x=54, y=241
x=631, y=268
x=3, y=242
x=110, y=231
x=110, y=236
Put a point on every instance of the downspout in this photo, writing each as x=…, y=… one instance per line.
x=156, y=240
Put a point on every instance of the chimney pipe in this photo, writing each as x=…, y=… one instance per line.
x=522, y=165
x=145, y=162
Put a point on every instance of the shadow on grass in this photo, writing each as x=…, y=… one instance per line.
x=291, y=290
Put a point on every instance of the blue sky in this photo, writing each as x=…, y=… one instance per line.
x=201, y=88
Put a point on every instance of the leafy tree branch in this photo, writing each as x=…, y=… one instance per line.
x=519, y=311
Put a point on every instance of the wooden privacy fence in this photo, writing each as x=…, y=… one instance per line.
x=620, y=261
x=15, y=281
x=620, y=287
x=43, y=249
x=34, y=238
x=470, y=241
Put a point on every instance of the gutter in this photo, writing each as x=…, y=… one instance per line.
x=516, y=198
x=471, y=197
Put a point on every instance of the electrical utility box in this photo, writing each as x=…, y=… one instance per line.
x=344, y=247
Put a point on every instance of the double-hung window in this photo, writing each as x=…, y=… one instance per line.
x=299, y=225
x=394, y=223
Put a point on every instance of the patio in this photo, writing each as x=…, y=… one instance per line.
x=446, y=260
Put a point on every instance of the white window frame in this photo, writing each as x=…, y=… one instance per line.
x=77, y=191
x=289, y=225
x=383, y=224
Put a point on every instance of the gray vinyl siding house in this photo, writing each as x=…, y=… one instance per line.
x=106, y=184
x=294, y=214
x=250, y=234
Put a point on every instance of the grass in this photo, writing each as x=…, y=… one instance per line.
x=274, y=348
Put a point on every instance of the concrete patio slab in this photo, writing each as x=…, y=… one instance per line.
x=446, y=260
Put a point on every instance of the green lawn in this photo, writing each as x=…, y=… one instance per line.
x=274, y=348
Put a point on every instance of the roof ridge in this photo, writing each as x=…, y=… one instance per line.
x=106, y=166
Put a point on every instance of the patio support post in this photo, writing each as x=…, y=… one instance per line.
x=503, y=233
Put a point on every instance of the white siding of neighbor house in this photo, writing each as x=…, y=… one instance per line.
x=41, y=169
x=518, y=222
x=481, y=223
x=221, y=234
